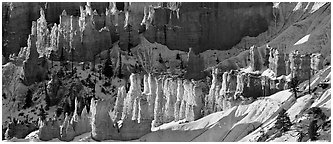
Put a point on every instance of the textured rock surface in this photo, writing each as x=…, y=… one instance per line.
x=277, y=62
x=290, y=26
x=17, y=18
x=80, y=123
x=158, y=110
x=152, y=95
x=102, y=127
x=18, y=130
x=175, y=21
x=67, y=132
x=119, y=105
x=49, y=130
x=204, y=26
x=195, y=66
x=34, y=67
x=316, y=62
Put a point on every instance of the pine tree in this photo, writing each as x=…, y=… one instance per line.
x=160, y=59
x=42, y=114
x=217, y=60
x=317, y=113
x=47, y=97
x=118, y=67
x=312, y=131
x=294, y=85
x=108, y=70
x=283, y=121
x=28, y=100
x=178, y=56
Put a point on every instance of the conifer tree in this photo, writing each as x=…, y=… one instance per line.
x=28, y=100
x=108, y=70
x=47, y=97
x=312, y=130
x=283, y=121
x=42, y=114
x=294, y=85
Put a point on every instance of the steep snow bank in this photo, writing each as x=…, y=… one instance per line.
x=230, y=125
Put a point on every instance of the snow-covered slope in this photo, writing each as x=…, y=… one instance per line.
x=230, y=125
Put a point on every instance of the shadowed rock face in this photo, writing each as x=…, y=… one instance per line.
x=19, y=130
x=17, y=18
x=204, y=26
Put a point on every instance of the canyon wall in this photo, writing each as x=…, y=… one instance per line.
x=234, y=87
x=304, y=27
x=17, y=18
x=176, y=25
x=34, y=67
x=204, y=26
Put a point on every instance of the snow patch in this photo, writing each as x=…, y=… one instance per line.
x=276, y=4
x=303, y=40
x=281, y=96
x=298, y=6
x=316, y=6
x=307, y=6
x=269, y=73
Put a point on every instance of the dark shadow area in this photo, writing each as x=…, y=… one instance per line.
x=120, y=6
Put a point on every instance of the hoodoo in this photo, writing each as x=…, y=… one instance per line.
x=166, y=71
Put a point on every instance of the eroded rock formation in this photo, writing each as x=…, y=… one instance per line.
x=102, y=127
x=49, y=130
x=17, y=18
x=34, y=67
x=19, y=129
x=194, y=24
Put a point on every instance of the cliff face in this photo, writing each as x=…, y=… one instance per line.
x=296, y=26
x=76, y=38
x=201, y=26
x=34, y=67
x=17, y=18
x=16, y=24
x=204, y=26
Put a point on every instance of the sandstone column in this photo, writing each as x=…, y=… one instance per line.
x=239, y=85
x=66, y=130
x=170, y=87
x=136, y=96
x=183, y=105
x=216, y=95
x=143, y=113
x=222, y=102
x=198, y=103
x=152, y=95
x=145, y=85
x=121, y=95
x=180, y=93
x=189, y=114
x=212, y=92
x=305, y=67
x=280, y=64
x=102, y=127
x=295, y=62
x=316, y=63
x=158, y=110
x=129, y=100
